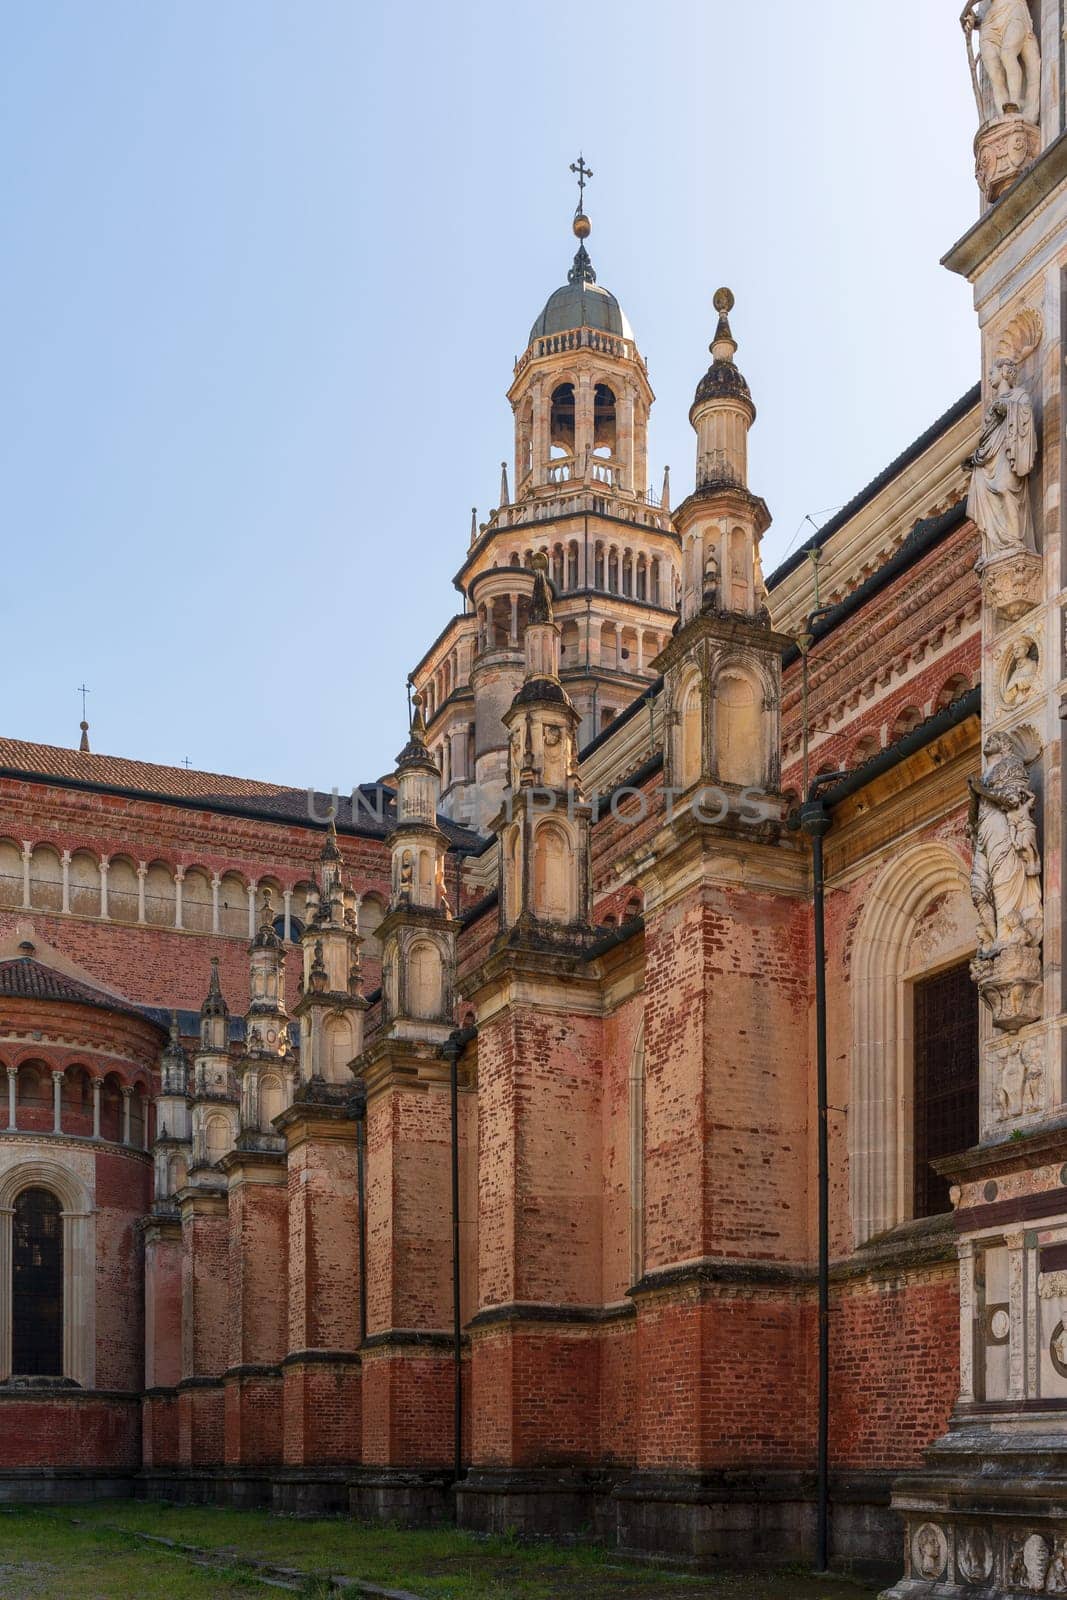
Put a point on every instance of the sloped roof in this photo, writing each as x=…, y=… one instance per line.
x=25, y=978
x=372, y=816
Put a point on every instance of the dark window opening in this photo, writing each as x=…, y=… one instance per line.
x=561, y=424
x=946, y=1079
x=37, y=1286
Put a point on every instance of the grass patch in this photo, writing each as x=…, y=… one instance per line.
x=43, y=1557
x=437, y=1564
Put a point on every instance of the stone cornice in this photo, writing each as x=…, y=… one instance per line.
x=722, y=627
x=266, y=1167
x=412, y=1064
x=691, y=854
x=323, y=1121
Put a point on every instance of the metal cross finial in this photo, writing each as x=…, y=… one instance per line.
x=584, y=174
x=186, y=763
x=83, y=691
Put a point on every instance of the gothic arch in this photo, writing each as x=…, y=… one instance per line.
x=914, y=884
x=79, y=1264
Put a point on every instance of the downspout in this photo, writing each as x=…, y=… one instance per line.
x=452, y=1049
x=815, y=822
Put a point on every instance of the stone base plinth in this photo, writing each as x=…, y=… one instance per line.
x=988, y=1518
x=1011, y=585
x=1003, y=149
x=1010, y=984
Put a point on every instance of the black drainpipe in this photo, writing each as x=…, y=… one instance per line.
x=815, y=821
x=357, y=1109
x=452, y=1049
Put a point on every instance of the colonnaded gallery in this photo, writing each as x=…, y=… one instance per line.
x=645, y=1109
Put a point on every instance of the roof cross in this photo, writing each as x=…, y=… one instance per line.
x=83, y=691
x=584, y=174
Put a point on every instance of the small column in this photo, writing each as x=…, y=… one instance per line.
x=966, y=1254
x=105, y=862
x=624, y=441
x=252, y=887
x=12, y=1097
x=216, y=880
x=640, y=650
x=98, y=1088
x=57, y=1102
x=1016, y=1243
x=66, y=881
x=514, y=635
x=179, y=877
x=287, y=911
x=540, y=436
x=127, y=1096
x=27, y=852
x=142, y=874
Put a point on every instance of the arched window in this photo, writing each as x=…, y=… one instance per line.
x=10, y=874
x=123, y=896
x=603, y=421
x=572, y=566
x=552, y=874
x=737, y=713
x=37, y=1285
x=46, y=879
x=561, y=426
x=233, y=905
x=196, y=901
x=691, y=746
x=906, y=722
x=954, y=689
x=371, y=912
x=159, y=896
x=84, y=884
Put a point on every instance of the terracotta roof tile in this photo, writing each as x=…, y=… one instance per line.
x=371, y=819
x=26, y=979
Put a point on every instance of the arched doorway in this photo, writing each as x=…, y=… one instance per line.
x=37, y=1285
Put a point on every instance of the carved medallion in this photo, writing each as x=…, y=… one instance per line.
x=929, y=1551
x=974, y=1555
x=1002, y=151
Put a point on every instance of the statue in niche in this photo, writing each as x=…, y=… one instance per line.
x=711, y=581
x=1006, y=871
x=1020, y=671
x=1010, y=56
x=1033, y=1075
x=998, y=501
x=406, y=876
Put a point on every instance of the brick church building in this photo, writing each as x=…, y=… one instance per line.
x=490, y=1147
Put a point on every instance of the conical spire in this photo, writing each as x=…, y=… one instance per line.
x=722, y=379
x=724, y=346
x=665, y=497
x=83, y=746
x=505, y=498
x=214, y=1005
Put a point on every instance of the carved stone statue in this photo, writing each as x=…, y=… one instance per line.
x=1010, y=56
x=999, y=498
x=1006, y=872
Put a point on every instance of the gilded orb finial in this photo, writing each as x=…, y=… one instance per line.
x=581, y=225
x=724, y=301
x=539, y=561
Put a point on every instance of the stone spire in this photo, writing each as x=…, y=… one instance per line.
x=331, y=1007
x=214, y=1014
x=722, y=410
x=83, y=743
x=505, y=497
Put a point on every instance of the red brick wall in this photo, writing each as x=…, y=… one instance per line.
x=64, y=1431
x=895, y=1367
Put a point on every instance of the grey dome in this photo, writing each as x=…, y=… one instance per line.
x=581, y=303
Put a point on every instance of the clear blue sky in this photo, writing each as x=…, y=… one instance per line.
x=267, y=266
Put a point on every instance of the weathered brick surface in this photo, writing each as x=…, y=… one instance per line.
x=253, y=1419
x=322, y=1418
x=408, y=1399
x=57, y=1431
